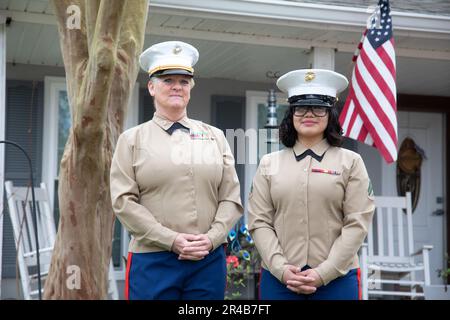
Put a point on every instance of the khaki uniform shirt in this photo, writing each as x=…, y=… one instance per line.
x=162, y=184
x=309, y=212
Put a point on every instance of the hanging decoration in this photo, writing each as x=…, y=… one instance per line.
x=409, y=165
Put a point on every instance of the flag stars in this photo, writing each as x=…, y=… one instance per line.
x=380, y=26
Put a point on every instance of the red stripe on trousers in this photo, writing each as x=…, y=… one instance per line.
x=127, y=276
x=225, y=246
x=359, y=284
x=259, y=284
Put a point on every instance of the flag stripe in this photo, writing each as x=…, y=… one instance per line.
x=362, y=133
x=349, y=116
x=389, y=47
x=346, y=113
x=369, y=140
x=388, y=61
x=356, y=127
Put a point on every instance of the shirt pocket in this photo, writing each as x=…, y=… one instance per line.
x=328, y=184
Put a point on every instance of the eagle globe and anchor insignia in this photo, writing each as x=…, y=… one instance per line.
x=177, y=50
x=409, y=165
x=310, y=76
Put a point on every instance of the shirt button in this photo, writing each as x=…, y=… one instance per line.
x=191, y=173
x=305, y=169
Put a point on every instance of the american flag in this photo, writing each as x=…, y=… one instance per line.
x=370, y=111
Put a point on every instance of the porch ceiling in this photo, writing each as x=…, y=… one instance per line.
x=239, y=48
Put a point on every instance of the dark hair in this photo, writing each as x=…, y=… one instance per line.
x=333, y=131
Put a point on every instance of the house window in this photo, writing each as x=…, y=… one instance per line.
x=63, y=123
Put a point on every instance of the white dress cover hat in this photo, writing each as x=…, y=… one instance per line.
x=312, y=86
x=170, y=57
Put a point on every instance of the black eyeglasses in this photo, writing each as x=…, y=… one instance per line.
x=317, y=111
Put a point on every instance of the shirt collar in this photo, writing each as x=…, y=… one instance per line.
x=165, y=123
x=319, y=148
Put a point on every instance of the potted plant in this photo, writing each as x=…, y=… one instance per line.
x=439, y=292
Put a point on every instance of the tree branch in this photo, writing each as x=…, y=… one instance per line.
x=92, y=7
x=133, y=30
x=90, y=122
x=73, y=44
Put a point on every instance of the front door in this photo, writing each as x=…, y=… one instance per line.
x=426, y=129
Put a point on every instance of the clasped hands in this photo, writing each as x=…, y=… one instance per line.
x=301, y=282
x=191, y=246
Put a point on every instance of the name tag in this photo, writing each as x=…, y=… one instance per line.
x=332, y=172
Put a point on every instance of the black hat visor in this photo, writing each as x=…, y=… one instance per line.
x=171, y=71
x=312, y=100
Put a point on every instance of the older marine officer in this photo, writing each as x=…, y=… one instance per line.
x=174, y=188
x=311, y=203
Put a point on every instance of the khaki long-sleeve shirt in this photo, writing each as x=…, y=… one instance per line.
x=308, y=212
x=163, y=184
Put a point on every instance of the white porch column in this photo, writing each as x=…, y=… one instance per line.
x=2, y=129
x=322, y=58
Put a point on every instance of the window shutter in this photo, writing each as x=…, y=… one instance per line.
x=24, y=123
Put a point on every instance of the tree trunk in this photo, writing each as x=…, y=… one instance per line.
x=101, y=62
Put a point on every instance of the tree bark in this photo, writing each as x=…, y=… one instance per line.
x=101, y=63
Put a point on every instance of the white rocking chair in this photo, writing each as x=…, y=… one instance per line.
x=391, y=259
x=20, y=211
